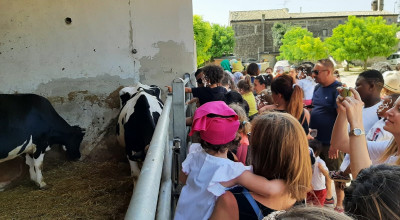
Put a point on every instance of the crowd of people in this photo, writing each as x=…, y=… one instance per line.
x=270, y=144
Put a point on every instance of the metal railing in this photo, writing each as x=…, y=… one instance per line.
x=152, y=197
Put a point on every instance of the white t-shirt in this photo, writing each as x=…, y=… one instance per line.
x=307, y=85
x=318, y=179
x=377, y=133
x=376, y=150
x=205, y=172
x=369, y=116
x=369, y=119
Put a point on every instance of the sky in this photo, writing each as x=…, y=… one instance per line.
x=217, y=11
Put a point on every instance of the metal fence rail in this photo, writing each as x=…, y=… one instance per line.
x=145, y=196
x=153, y=194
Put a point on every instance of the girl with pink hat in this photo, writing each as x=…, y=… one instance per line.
x=206, y=169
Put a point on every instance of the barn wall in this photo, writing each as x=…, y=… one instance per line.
x=81, y=66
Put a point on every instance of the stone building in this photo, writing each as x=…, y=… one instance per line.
x=253, y=28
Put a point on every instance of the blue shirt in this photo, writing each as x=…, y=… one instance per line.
x=323, y=115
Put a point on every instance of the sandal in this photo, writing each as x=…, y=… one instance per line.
x=339, y=176
x=339, y=209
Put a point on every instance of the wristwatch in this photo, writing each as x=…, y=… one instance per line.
x=357, y=132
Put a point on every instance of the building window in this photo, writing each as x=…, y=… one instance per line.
x=340, y=22
x=324, y=32
x=390, y=20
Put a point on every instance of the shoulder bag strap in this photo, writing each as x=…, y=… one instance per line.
x=253, y=204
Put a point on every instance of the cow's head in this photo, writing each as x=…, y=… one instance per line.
x=74, y=143
x=127, y=93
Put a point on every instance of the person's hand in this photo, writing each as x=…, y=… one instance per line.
x=354, y=107
x=169, y=88
x=341, y=108
x=333, y=153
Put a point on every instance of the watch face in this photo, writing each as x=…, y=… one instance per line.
x=357, y=131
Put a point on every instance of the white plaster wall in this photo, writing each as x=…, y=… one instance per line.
x=37, y=46
x=81, y=66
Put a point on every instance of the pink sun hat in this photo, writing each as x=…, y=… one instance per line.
x=215, y=130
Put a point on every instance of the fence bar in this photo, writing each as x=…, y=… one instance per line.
x=164, y=200
x=179, y=110
x=144, y=200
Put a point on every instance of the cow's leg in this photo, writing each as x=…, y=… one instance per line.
x=29, y=162
x=135, y=171
x=38, y=163
x=35, y=169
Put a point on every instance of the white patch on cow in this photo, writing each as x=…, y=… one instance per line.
x=129, y=109
x=38, y=163
x=35, y=169
x=135, y=171
x=64, y=148
x=30, y=148
x=48, y=148
x=29, y=162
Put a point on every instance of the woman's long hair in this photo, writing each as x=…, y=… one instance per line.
x=279, y=150
x=291, y=93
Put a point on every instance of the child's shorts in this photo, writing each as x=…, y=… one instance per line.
x=316, y=197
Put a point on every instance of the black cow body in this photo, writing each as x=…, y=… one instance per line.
x=29, y=124
x=141, y=108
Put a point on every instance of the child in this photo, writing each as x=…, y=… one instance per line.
x=320, y=177
x=206, y=166
x=212, y=91
x=246, y=90
x=244, y=130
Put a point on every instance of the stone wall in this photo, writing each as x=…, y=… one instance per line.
x=248, y=34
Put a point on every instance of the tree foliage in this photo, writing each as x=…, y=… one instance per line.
x=298, y=44
x=203, y=37
x=362, y=38
x=211, y=41
x=223, y=41
x=278, y=31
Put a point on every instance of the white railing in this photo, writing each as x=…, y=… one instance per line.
x=153, y=194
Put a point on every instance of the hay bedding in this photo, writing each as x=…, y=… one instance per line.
x=78, y=190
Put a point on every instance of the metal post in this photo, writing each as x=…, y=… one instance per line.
x=164, y=200
x=179, y=110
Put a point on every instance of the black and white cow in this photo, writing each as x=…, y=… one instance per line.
x=141, y=107
x=30, y=125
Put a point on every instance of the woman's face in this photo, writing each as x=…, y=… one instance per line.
x=386, y=105
x=392, y=123
x=258, y=87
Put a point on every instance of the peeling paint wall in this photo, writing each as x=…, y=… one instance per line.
x=79, y=53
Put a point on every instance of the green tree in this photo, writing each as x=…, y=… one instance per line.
x=362, y=38
x=298, y=44
x=223, y=41
x=203, y=37
x=278, y=31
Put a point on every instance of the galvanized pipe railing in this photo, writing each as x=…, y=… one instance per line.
x=145, y=196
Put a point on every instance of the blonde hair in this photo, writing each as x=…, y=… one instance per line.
x=279, y=150
x=391, y=150
x=245, y=126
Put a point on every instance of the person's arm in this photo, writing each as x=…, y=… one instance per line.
x=187, y=89
x=226, y=207
x=307, y=115
x=183, y=177
x=324, y=171
x=258, y=184
x=358, y=145
x=340, y=135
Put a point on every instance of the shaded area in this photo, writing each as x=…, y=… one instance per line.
x=78, y=190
